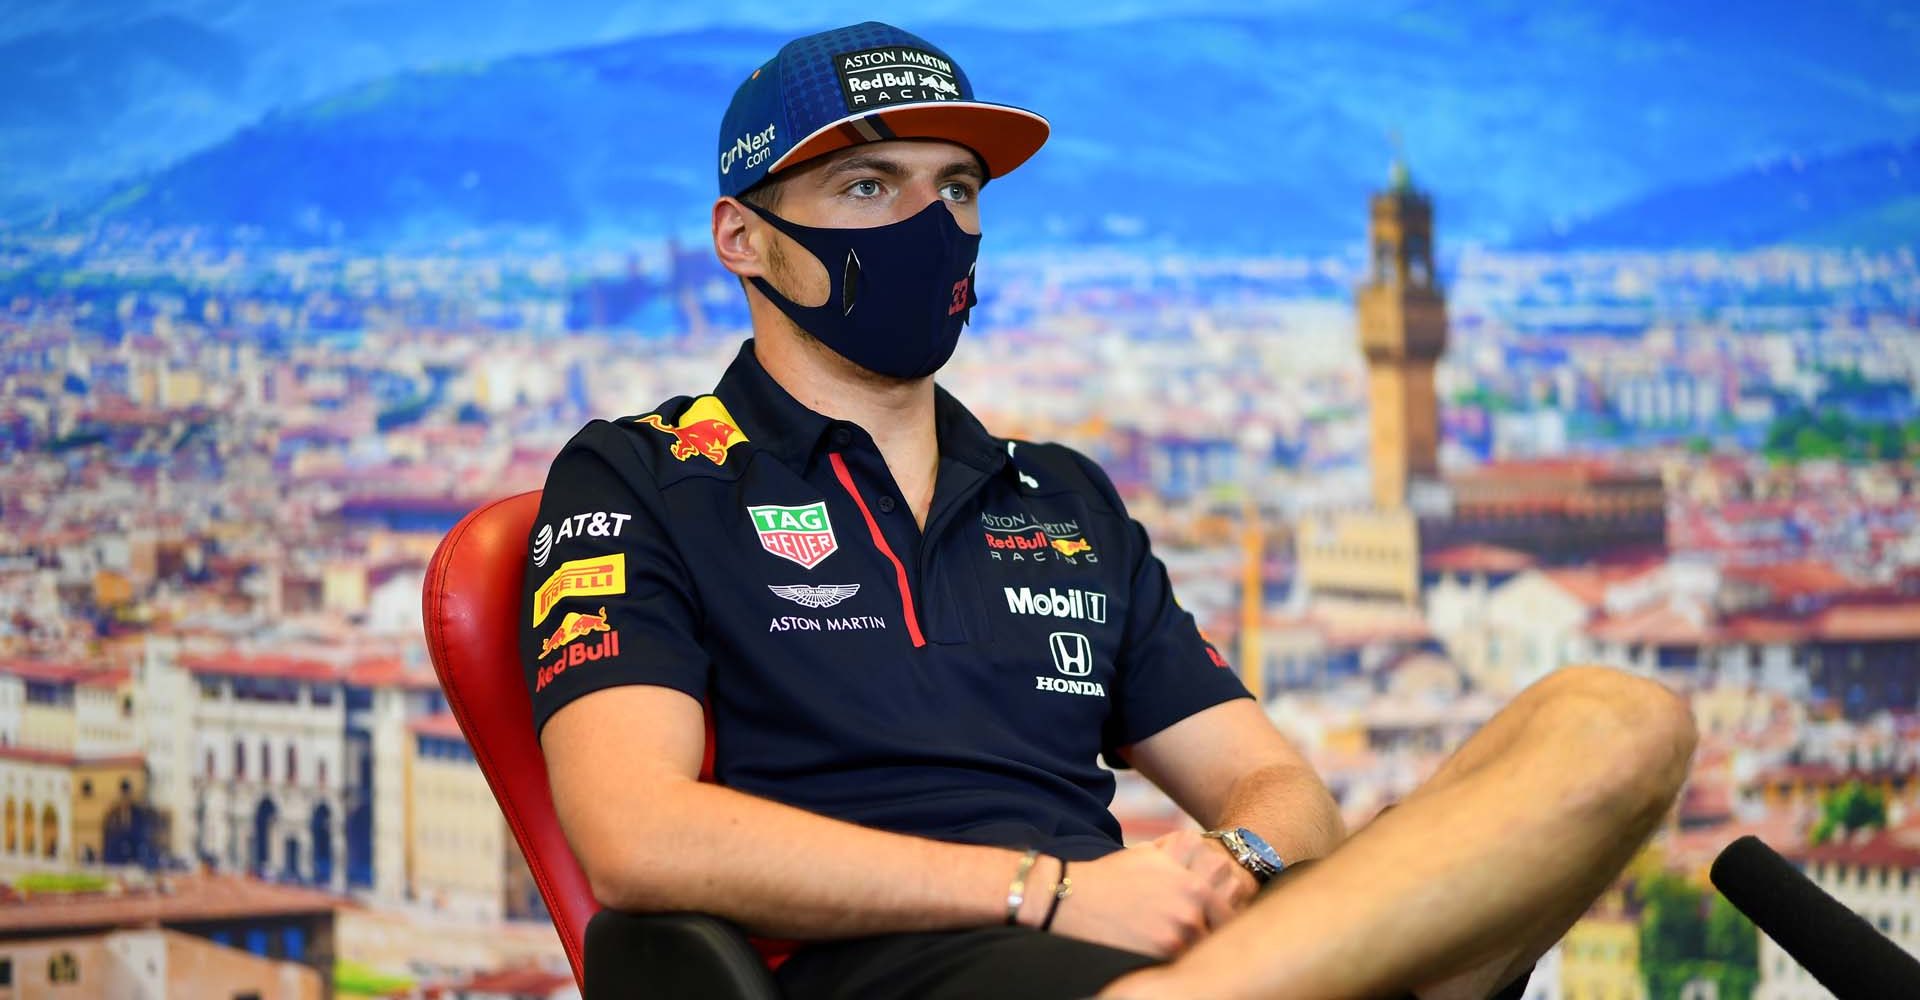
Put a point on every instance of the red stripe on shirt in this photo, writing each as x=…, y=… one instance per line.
x=880, y=542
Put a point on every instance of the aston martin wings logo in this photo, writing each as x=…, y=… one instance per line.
x=825, y=596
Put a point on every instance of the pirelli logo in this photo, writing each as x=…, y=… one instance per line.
x=591, y=577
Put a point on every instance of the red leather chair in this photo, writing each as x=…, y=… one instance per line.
x=473, y=603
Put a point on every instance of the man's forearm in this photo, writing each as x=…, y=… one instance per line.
x=784, y=872
x=1289, y=807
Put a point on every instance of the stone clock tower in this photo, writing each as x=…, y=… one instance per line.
x=1403, y=332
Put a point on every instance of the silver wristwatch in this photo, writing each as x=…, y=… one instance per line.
x=1252, y=852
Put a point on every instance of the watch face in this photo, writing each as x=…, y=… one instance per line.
x=1260, y=847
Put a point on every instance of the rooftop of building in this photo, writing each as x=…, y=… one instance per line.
x=170, y=899
x=1897, y=850
x=1822, y=773
x=56, y=758
x=1588, y=583
x=1797, y=578
x=442, y=724
x=523, y=981
x=264, y=666
x=1655, y=625
x=50, y=672
x=1477, y=558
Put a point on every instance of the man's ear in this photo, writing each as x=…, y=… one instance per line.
x=733, y=239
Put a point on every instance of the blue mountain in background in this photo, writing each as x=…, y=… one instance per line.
x=83, y=105
x=1865, y=198
x=1241, y=133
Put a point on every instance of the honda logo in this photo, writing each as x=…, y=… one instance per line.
x=1072, y=653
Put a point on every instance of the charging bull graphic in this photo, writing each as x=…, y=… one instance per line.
x=1071, y=547
x=939, y=84
x=706, y=429
x=576, y=625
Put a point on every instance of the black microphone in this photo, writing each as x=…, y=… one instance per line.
x=1831, y=942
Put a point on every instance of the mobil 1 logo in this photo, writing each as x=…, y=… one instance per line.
x=878, y=78
x=1083, y=605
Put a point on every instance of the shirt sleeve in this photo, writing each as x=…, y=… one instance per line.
x=608, y=597
x=1167, y=670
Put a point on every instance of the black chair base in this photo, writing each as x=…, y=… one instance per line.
x=668, y=956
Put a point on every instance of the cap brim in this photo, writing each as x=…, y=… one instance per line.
x=1003, y=136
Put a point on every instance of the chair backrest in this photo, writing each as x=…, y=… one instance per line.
x=473, y=604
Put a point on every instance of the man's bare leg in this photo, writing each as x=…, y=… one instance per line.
x=1476, y=873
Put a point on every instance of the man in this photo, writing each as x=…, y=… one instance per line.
x=915, y=642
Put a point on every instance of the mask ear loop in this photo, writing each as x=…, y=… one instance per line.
x=849, y=282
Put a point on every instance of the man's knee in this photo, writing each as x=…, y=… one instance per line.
x=1639, y=734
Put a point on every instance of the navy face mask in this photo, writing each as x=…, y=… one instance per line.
x=899, y=293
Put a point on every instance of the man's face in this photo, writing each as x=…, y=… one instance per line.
x=862, y=187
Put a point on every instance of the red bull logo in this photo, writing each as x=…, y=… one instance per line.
x=576, y=655
x=706, y=429
x=1031, y=541
x=575, y=625
x=1071, y=547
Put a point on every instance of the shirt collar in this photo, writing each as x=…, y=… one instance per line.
x=773, y=420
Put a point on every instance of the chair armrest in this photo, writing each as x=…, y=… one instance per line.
x=663, y=956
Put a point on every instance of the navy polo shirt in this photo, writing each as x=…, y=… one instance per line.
x=959, y=683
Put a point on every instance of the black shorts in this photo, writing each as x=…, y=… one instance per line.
x=1005, y=963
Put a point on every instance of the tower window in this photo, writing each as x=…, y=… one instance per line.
x=1420, y=261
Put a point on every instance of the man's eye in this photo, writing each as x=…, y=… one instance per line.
x=957, y=191
x=865, y=189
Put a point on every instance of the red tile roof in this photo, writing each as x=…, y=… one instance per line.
x=1657, y=625
x=288, y=667
x=390, y=672
x=1879, y=850
x=1697, y=847
x=1888, y=622
x=1582, y=583
x=1765, y=629
x=443, y=724
x=1545, y=468
x=1477, y=558
x=27, y=755
x=526, y=981
x=1799, y=578
x=51, y=673
x=1829, y=774
x=184, y=898
x=107, y=678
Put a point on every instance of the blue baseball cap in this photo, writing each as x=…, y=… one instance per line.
x=858, y=84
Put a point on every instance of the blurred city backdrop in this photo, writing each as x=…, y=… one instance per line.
x=1439, y=346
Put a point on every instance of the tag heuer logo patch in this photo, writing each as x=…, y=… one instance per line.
x=880, y=78
x=798, y=534
x=815, y=597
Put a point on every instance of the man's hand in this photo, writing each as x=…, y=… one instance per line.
x=1208, y=858
x=1143, y=899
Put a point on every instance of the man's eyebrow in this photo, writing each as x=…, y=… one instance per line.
x=969, y=167
x=864, y=163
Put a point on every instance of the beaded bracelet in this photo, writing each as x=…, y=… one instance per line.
x=1017, y=889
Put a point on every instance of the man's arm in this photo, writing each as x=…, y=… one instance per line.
x=1228, y=766
x=623, y=763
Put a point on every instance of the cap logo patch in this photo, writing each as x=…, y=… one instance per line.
x=753, y=148
x=876, y=78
